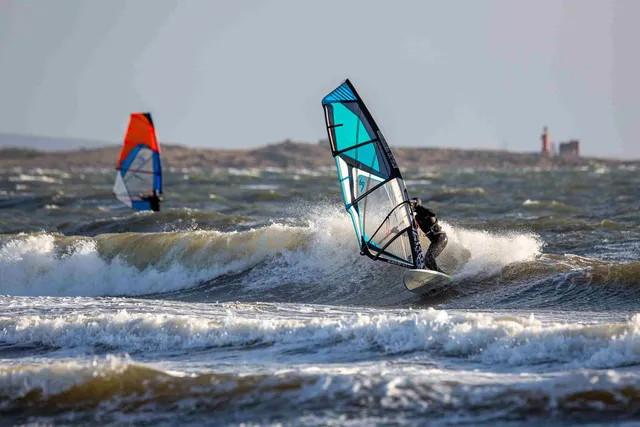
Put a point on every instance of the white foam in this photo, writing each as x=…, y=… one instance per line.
x=382, y=395
x=324, y=253
x=251, y=172
x=484, y=252
x=54, y=378
x=546, y=203
x=601, y=170
x=264, y=187
x=329, y=257
x=39, y=265
x=416, y=182
x=487, y=339
x=35, y=178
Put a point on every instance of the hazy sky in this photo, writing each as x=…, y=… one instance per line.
x=231, y=74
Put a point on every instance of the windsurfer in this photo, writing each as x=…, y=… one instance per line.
x=154, y=200
x=428, y=223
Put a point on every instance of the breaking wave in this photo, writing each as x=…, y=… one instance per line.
x=491, y=340
x=317, y=261
x=321, y=255
x=487, y=339
x=116, y=390
x=313, y=262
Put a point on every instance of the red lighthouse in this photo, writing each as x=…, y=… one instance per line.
x=546, y=144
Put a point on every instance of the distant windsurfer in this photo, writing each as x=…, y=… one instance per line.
x=154, y=201
x=428, y=223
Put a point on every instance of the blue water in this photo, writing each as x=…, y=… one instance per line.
x=245, y=301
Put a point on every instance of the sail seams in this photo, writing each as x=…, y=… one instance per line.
x=394, y=238
x=371, y=183
x=139, y=167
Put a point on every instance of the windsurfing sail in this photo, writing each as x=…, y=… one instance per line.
x=373, y=190
x=138, y=171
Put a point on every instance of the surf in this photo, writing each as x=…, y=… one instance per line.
x=118, y=390
x=306, y=333
x=307, y=261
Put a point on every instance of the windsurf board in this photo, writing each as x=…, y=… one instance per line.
x=422, y=281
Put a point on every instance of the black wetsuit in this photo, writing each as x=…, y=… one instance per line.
x=154, y=202
x=428, y=223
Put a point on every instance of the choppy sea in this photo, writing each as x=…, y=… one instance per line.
x=245, y=301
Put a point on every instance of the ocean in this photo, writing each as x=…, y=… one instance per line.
x=246, y=302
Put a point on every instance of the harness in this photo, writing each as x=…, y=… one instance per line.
x=433, y=231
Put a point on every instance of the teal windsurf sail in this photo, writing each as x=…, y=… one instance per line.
x=373, y=190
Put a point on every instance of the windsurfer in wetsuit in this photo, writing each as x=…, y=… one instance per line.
x=154, y=201
x=428, y=223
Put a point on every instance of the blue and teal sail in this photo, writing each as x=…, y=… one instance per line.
x=373, y=190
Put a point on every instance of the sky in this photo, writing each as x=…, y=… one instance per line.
x=223, y=74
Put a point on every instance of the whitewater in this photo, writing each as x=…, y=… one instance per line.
x=245, y=301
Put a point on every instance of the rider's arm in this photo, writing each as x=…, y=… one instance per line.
x=425, y=212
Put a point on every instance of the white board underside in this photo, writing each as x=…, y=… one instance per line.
x=422, y=281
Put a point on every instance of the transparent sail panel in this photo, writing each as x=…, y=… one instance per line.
x=385, y=215
x=120, y=190
x=139, y=177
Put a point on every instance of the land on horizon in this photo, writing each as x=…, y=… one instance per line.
x=286, y=154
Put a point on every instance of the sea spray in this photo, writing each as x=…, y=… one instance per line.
x=322, y=254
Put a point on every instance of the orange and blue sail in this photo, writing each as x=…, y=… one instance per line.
x=139, y=169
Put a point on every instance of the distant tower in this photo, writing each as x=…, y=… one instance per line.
x=546, y=144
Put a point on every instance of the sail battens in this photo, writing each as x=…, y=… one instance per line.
x=390, y=213
x=369, y=191
x=139, y=168
x=372, y=187
x=355, y=146
x=144, y=171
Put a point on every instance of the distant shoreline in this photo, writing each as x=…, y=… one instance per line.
x=293, y=155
